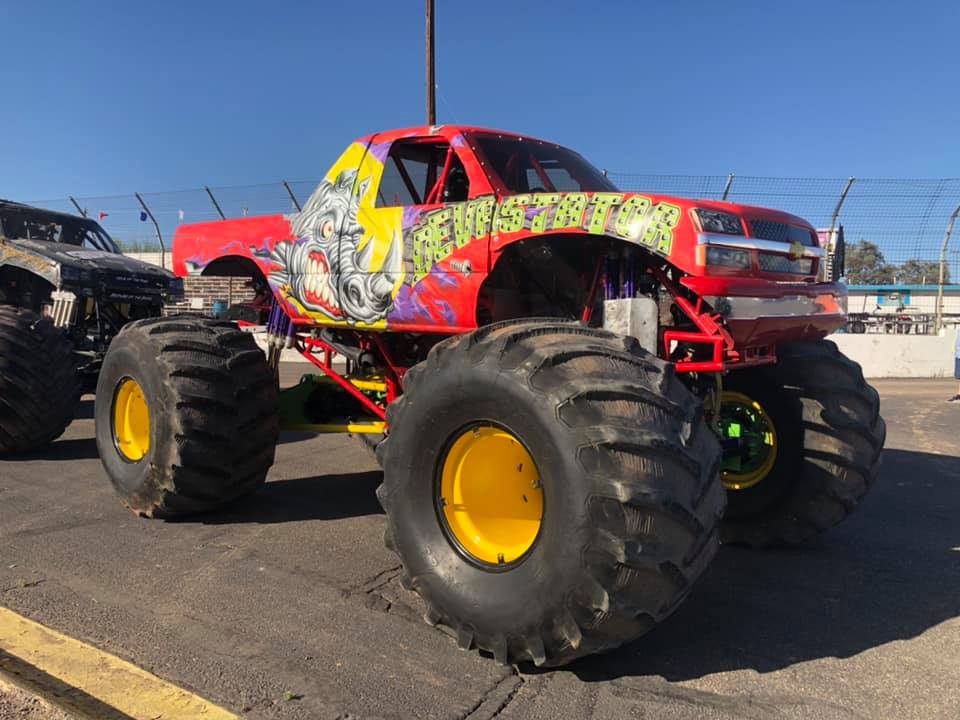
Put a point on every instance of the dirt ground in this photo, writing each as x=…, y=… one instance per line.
x=15, y=704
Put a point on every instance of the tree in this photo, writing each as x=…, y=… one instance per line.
x=922, y=272
x=865, y=265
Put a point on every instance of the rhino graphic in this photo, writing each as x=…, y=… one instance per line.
x=325, y=268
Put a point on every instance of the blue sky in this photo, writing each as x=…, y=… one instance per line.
x=101, y=98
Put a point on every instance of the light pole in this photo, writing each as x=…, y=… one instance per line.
x=431, y=61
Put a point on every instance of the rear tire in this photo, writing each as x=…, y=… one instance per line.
x=831, y=435
x=631, y=497
x=39, y=385
x=213, y=418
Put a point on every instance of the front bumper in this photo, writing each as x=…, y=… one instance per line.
x=761, y=313
x=732, y=307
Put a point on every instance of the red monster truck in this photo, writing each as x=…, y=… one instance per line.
x=552, y=486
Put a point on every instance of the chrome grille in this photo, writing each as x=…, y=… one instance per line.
x=781, y=232
x=769, y=230
x=782, y=264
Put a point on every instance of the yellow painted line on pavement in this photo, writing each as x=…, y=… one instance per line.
x=83, y=679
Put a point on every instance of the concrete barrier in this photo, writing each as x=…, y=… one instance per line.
x=900, y=356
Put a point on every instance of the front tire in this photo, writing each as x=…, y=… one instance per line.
x=626, y=475
x=186, y=415
x=39, y=385
x=830, y=437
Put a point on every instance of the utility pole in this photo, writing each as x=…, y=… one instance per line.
x=431, y=63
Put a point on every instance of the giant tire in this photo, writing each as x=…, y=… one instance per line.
x=631, y=490
x=39, y=385
x=830, y=437
x=212, y=403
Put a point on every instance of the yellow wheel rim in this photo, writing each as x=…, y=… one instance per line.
x=491, y=496
x=750, y=441
x=131, y=421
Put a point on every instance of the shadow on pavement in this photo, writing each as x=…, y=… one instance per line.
x=292, y=436
x=323, y=497
x=70, y=449
x=891, y=573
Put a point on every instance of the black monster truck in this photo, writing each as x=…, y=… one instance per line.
x=65, y=293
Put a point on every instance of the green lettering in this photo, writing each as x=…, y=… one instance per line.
x=463, y=222
x=630, y=219
x=440, y=224
x=601, y=202
x=659, y=233
x=512, y=213
x=422, y=251
x=547, y=201
x=484, y=216
x=570, y=211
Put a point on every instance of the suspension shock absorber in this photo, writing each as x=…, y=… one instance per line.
x=278, y=333
x=611, y=283
x=629, y=272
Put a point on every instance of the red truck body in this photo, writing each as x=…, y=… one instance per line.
x=408, y=229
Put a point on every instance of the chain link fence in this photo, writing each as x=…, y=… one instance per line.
x=906, y=220
x=904, y=223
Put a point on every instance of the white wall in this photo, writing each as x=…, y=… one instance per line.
x=901, y=356
x=154, y=258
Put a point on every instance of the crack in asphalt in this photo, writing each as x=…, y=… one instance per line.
x=495, y=700
x=23, y=584
x=750, y=706
x=375, y=582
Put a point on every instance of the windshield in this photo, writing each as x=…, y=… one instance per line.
x=33, y=224
x=534, y=166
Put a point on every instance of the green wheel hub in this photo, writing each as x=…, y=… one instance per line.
x=749, y=441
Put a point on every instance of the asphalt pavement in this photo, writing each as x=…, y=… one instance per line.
x=287, y=605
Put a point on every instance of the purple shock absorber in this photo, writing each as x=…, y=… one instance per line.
x=611, y=280
x=629, y=273
x=274, y=315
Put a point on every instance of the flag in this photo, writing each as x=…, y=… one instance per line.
x=143, y=216
x=180, y=213
x=101, y=215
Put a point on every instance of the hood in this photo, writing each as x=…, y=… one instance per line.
x=92, y=260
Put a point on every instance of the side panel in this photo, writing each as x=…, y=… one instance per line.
x=344, y=262
x=13, y=256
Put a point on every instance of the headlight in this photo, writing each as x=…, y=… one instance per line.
x=715, y=221
x=727, y=257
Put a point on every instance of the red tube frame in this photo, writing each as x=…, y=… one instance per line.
x=306, y=346
x=711, y=332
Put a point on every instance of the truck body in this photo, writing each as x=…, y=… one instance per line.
x=68, y=268
x=424, y=230
x=574, y=392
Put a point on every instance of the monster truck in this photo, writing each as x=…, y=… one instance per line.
x=552, y=487
x=65, y=293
